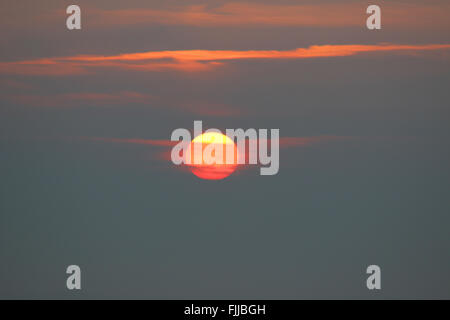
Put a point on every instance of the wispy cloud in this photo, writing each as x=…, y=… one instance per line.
x=195, y=60
x=236, y=14
x=285, y=142
x=396, y=14
x=276, y=14
x=160, y=149
x=124, y=98
x=80, y=99
x=293, y=142
x=147, y=142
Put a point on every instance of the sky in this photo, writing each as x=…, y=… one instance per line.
x=86, y=177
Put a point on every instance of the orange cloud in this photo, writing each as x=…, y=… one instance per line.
x=220, y=55
x=285, y=142
x=236, y=14
x=195, y=60
x=258, y=14
x=396, y=14
x=163, y=152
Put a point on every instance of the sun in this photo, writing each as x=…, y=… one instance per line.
x=205, y=169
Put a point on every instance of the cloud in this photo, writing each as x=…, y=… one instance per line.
x=236, y=14
x=243, y=14
x=124, y=98
x=292, y=142
x=324, y=14
x=147, y=142
x=285, y=142
x=81, y=99
x=195, y=60
x=160, y=149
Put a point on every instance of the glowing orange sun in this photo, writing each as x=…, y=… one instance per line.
x=213, y=163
